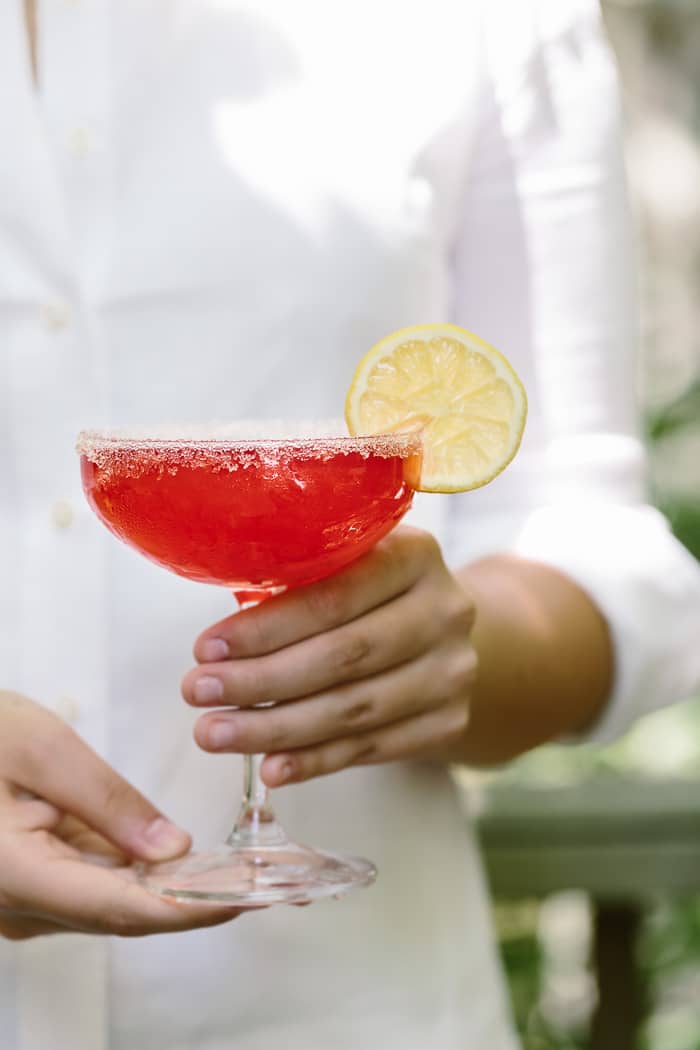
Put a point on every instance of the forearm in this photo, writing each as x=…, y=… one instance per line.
x=545, y=660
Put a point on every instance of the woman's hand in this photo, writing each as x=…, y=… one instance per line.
x=69, y=826
x=371, y=665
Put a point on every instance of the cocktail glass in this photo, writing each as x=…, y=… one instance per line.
x=233, y=506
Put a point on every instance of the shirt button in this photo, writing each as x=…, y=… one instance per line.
x=62, y=514
x=68, y=709
x=80, y=140
x=55, y=316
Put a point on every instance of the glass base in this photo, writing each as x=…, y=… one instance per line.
x=255, y=875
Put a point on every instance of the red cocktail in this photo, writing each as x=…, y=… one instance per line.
x=266, y=515
x=256, y=515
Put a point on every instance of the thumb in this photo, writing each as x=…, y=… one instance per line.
x=52, y=761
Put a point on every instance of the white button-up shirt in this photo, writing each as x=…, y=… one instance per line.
x=210, y=209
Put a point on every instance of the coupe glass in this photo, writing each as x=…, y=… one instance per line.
x=232, y=505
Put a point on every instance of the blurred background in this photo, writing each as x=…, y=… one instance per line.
x=594, y=855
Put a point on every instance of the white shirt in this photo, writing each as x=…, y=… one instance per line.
x=211, y=209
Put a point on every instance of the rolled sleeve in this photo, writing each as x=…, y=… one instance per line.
x=648, y=588
x=544, y=269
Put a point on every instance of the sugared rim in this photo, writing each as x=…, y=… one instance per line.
x=242, y=435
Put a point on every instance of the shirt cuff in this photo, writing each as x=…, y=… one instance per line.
x=647, y=586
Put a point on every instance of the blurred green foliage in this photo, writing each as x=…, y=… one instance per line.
x=669, y=964
x=669, y=959
x=682, y=413
x=669, y=946
x=685, y=522
x=679, y=421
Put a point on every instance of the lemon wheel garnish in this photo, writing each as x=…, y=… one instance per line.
x=459, y=392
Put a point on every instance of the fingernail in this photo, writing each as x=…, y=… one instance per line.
x=207, y=688
x=214, y=649
x=285, y=773
x=164, y=835
x=221, y=734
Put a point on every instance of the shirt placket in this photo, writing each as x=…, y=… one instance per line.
x=56, y=368
x=76, y=64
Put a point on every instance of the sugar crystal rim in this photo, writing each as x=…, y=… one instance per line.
x=242, y=435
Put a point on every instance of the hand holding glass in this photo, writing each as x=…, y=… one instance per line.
x=256, y=515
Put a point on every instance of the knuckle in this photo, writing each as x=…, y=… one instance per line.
x=429, y=547
x=456, y=722
x=419, y=546
x=406, y=551
x=358, y=712
x=391, y=554
x=352, y=653
x=461, y=612
x=461, y=670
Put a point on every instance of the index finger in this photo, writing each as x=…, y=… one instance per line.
x=387, y=571
x=81, y=896
x=41, y=754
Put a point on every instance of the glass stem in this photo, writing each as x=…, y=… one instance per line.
x=256, y=824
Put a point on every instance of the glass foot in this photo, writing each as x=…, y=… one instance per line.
x=256, y=875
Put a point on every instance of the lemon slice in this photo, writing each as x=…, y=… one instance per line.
x=460, y=393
